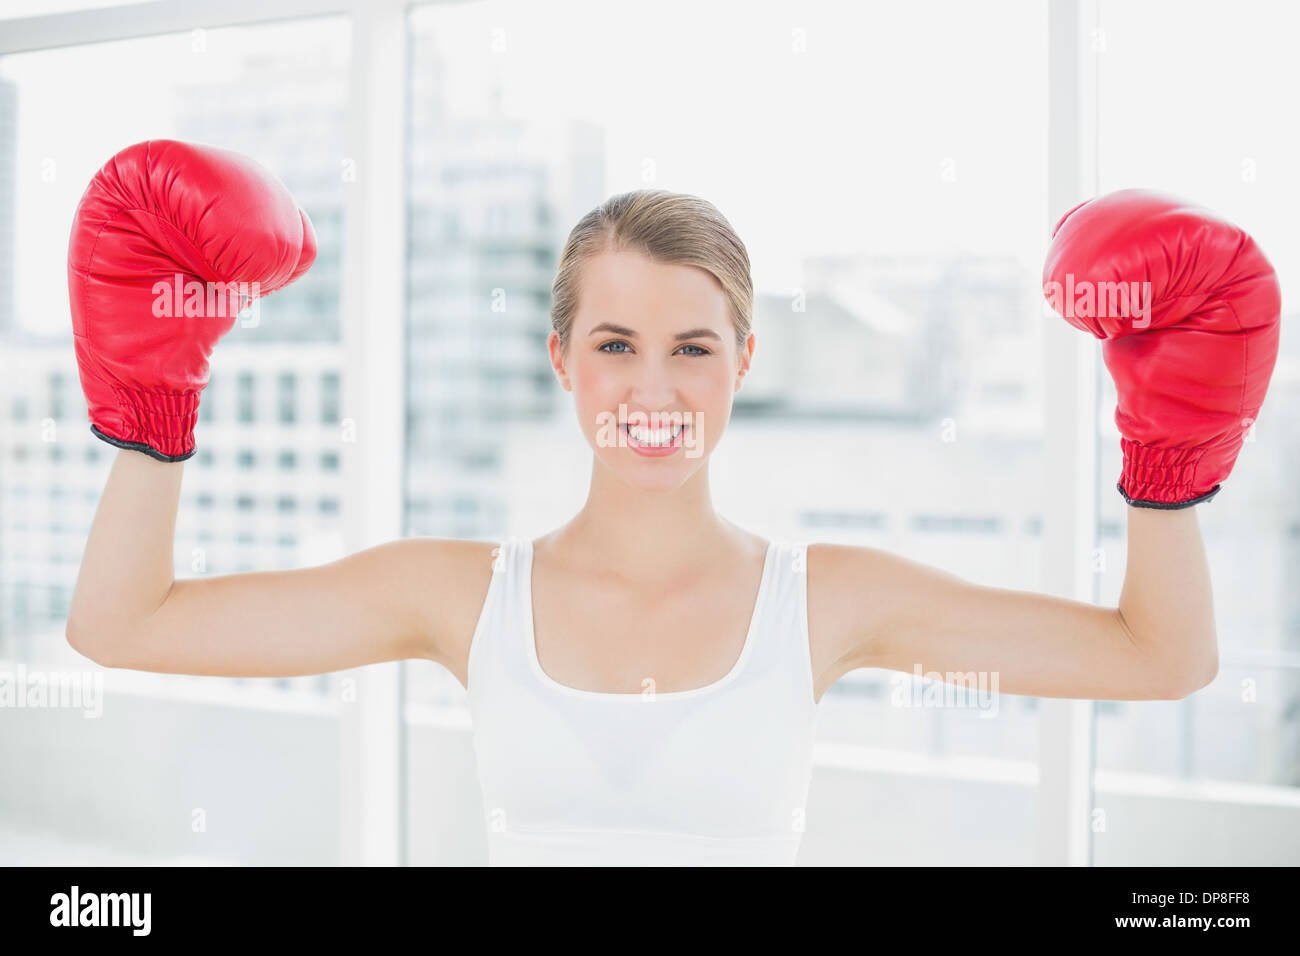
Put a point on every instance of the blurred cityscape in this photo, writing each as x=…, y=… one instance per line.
x=901, y=398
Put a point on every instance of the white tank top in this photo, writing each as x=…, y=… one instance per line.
x=714, y=775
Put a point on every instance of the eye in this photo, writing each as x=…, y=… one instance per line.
x=699, y=350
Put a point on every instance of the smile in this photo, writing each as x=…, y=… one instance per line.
x=653, y=439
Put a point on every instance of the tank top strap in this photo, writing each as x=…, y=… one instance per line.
x=505, y=559
x=496, y=648
x=781, y=621
x=516, y=610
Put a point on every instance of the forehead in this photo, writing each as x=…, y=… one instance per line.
x=632, y=287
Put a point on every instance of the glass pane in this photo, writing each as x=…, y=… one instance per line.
x=888, y=180
x=1169, y=764
x=13, y=9
x=257, y=496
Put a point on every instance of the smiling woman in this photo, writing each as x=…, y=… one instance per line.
x=647, y=596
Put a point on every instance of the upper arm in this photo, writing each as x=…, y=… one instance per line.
x=882, y=610
x=388, y=602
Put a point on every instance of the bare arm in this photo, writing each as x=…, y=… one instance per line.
x=1167, y=602
x=380, y=604
x=1159, y=644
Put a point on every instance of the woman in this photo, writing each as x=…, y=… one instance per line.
x=644, y=680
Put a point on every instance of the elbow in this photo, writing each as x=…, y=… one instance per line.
x=1207, y=674
x=75, y=638
x=79, y=641
x=1194, y=681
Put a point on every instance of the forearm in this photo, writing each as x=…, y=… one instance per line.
x=126, y=570
x=1166, y=600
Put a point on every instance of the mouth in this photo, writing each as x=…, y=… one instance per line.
x=653, y=439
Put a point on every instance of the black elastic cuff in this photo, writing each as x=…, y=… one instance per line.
x=141, y=446
x=1166, y=505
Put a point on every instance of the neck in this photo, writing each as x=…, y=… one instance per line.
x=647, y=537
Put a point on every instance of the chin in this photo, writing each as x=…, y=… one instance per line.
x=650, y=476
x=665, y=482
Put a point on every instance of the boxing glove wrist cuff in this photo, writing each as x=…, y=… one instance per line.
x=1165, y=505
x=160, y=424
x=1162, y=477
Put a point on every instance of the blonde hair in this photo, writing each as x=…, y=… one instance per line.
x=668, y=227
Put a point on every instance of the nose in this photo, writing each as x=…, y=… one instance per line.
x=653, y=385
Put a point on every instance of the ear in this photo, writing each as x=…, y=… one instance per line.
x=745, y=358
x=557, y=360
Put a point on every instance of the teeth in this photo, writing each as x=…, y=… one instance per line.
x=659, y=436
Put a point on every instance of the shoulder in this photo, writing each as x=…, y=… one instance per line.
x=861, y=595
x=452, y=560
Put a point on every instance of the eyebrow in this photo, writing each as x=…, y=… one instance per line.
x=680, y=336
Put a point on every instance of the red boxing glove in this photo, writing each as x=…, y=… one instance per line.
x=169, y=242
x=1188, y=310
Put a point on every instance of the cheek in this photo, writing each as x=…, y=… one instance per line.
x=595, y=392
x=711, y=387
x=707, y=393
x=593, y=383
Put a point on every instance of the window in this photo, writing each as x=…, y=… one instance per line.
x=902, y=330
x=288, y=409
x=329, y=408
x=1241, y=729
x=208, y=399
x=56, y=396
x=904, y=390
x=56, y=131
x=247, y=397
